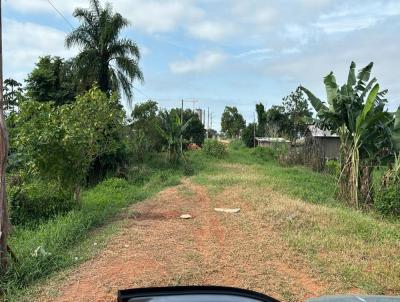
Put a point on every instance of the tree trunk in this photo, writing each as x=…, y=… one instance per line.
x=77, y=194
x=4, y=222
x=104, y=83
x=366, y=192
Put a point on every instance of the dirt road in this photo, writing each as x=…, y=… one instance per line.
x=157, y=248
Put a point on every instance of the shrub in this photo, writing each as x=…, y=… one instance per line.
x=139, y=174
x=64, y=142
x=236, y=144
x=247, y=135
x=38, y=201
x=332, y=167
x=214, y=148
x=265, y=153
x=387, y=200
x=188, y=169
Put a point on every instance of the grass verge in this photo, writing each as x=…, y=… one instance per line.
x=60, y=242
x=353, y=251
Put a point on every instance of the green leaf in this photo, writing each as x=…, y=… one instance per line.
x=367, y=107
x=331, y=88
x=396, y=130
x=351, y=78
x=315, y=102
x=365, y=73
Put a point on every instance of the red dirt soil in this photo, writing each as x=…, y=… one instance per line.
x=157, y=248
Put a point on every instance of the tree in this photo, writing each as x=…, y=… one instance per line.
x=262, y=119
x=11, y=94
x=105, y=58
x=195, y=131
x=232, y=122
x=248, y=135
x=277, y=122
x=212, y=133
x=356, y=111
x=52, y=80
x=172, y=129
x=145, y=123
x=62, y=142
x=296, y=108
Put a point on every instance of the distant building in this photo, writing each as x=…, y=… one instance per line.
x=269, y=141
x=323, y=142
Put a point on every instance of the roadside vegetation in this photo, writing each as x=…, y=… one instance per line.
x=349, y=248
x=77, y=159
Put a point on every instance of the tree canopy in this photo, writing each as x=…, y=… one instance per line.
x=232, y=122
x=277, y=122
x=299, y=115
x=52, y=79
x=261, y=119
x=105, y=57
x=61, y=142
x=12, y=91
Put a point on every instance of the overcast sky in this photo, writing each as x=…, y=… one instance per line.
x=225, y=52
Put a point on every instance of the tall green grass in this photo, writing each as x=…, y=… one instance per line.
x=51, y=246
x=297, y=181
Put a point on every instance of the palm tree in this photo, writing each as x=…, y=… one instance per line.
x=12, y=89
x=105, y=58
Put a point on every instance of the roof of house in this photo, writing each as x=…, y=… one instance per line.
x=272, y=139
x=317, y=132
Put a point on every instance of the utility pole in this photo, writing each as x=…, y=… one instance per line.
x=4, y=222
x=193, y=102
x=254, y=130
x=211, y=120
x=181, y=125
x=208, y=120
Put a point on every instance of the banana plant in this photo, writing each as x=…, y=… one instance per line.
x=171, y=129
x=356, y=112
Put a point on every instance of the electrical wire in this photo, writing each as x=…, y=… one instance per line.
x=62, y=16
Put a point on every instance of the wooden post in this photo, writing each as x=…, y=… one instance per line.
x=4, y=222
x=181, y=127
x=254, y=130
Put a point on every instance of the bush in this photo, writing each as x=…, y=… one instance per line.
x=248, y=135
x=139, y=174
x=214, y=148
x=265, y=153
x=38, y=201
x=236, y=144
x=333, y=167
x=387, y=200
x=188, y=169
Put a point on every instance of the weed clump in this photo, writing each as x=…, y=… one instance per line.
x=214, y=148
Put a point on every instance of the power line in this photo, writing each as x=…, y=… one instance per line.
x=62, y=16
x=142, y=93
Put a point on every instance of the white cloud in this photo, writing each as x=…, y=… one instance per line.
x=258, y=51
x=210, y=30
x=348, y=19
x=262, y=13
x=158, y=16
x=24, y=42
x=42, y=6
x=151, y=16
x=291, y=50
x=202, y=62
